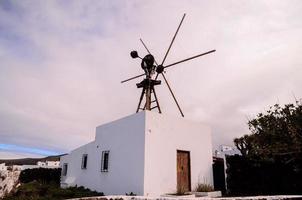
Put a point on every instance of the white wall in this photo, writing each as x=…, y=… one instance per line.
x=142, y=156
x=40, y=163
x=125, y=140
x=76, y=175
x=52, y=163
x=164, y=136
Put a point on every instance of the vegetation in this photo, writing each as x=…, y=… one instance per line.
x=42, y=175
x=276, y=133
x=44, y=184
x=130, y=194
x=271, y=160
x=203, y=187
x=38, y=191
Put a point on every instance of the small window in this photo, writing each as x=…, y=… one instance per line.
x=105, y=161
x=84, y=161
x=65, y=168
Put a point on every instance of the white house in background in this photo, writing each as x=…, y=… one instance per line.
x=40, y=164
x=145, y=153
x=53, y=163
x=49, y=164
x=46, y=164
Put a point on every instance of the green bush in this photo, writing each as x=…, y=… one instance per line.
x=271, y=155
x=42, y=175
x=263, y=177
x=40, y=191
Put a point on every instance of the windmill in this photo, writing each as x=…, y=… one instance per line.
x=152, y=68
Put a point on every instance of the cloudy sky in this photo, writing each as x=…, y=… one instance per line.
x=61, y=63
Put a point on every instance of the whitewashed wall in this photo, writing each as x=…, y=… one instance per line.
x=142, y=156
x=164, y=136
x=124, y=139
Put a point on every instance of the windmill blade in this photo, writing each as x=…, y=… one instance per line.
x=145, y=45
x=147, y=49
x=129, y=79
x=182, y=19
x=173, y=95
x=189, y=58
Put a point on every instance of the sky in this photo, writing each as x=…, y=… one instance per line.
x=61, y=63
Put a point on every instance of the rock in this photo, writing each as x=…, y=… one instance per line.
x=8, y=181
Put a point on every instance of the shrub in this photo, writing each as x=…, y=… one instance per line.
x=203, y=187
x=39, y=191
x=42, y=175
x=262, y=177
x=130, y=194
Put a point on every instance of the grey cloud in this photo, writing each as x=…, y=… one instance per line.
x=61, y=77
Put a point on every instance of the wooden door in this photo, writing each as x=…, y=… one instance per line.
x=183, y=171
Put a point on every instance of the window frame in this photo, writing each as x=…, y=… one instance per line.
x=84, y=161
x=105, y=166
x=65, y=169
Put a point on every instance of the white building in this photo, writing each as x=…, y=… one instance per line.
x=53, y=164
x=145, y=153
x=49, y=164
x=41, y=164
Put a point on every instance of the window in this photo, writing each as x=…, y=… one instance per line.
x=84, y=161
x=105, y=161
x=65, y=168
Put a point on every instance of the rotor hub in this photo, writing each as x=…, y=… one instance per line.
x=160, y=69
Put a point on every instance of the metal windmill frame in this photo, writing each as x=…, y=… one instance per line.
x=151, y=67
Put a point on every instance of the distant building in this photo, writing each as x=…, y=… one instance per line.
x=41, y=164
x=145, y=153
x=46, y=164
x=49, y=164
x=53, y=164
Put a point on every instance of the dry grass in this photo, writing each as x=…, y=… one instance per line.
x=204, y=187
